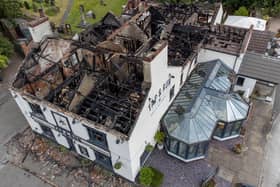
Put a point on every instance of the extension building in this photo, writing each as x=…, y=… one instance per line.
x=105, y=95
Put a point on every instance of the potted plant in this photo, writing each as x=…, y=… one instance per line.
x=159, y=138
x=149, y=148
x=237, y=148
x=118, y=165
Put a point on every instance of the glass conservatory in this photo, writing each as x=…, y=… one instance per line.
x=231, y=111
x=205, y=106
x=188, y=134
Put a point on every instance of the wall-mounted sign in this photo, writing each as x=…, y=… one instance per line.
x=156, y=100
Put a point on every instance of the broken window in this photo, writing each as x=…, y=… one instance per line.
x=97, y=138
x=47, y=131
x=36, y=110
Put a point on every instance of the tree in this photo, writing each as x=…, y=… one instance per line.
x=242, y=11
x=10, y=9
x=6, y=47
x=26, y=5
x=3, y=61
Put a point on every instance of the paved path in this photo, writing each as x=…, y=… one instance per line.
x=11, y=123
x=271, y=165
x=67, y=11
x=11, y=176
x=246, y=167
x=274, y=24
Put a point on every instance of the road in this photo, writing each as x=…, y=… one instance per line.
x=11, y=123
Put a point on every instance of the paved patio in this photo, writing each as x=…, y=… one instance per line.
x=247, y=166
x=181, y=174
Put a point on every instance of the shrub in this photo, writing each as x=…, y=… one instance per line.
x=3, y=61
x=150, y=177
x=26, y=5
x=146, y=176
x=159, y=137
x=149, y=148
x=157, y=178
x=242, y=11
x=6, y=47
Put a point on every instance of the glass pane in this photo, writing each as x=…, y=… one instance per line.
x=219, y=130
x=173, y=145
x=228, y=128
x=236, y=128
x=201, y=149
x=182, y=150
x=192, y=151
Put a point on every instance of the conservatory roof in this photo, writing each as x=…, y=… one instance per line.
x=229, y=107
x=203, y=100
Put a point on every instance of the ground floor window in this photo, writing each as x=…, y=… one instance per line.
x=103, y=160
x=186, y=151
x=83, y=150
x=47, y=131
x=225, y=130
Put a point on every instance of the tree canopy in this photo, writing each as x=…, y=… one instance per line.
x=242, y=11
x=6, y=50
x=10, y=9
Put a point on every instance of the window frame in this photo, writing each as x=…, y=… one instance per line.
x=97, y=138
x=83, y=150
x=240, y=81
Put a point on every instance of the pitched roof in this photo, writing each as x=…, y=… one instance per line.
x=259, y=41
x=260, y=67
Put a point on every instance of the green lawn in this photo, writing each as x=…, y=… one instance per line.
x=74, y=19
x=55, y=18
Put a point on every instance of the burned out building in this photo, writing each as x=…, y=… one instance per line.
x=104, y=95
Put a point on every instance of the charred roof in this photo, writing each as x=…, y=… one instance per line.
x=101, y=77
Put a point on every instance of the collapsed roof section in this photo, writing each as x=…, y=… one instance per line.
x=204, y=99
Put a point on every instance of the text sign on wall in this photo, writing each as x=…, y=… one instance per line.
x=156, y=100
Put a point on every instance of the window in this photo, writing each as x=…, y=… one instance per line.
x=192, y=151
x=182, y=149
x=240, y=81
x=173, y=146
x=103, y=160
x=171, y=93
x=47, y=131
x=35, y=108
x=83, y=151
x=97, y=138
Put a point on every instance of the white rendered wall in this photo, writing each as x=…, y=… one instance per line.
x=39, y=31
x=118, y=152
x=231, y=61
x=149, y=120
x=248, y=86
x=26, y=110
x=219, y=16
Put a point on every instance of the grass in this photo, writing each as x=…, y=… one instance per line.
x=74, y=19
x=55, y=17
